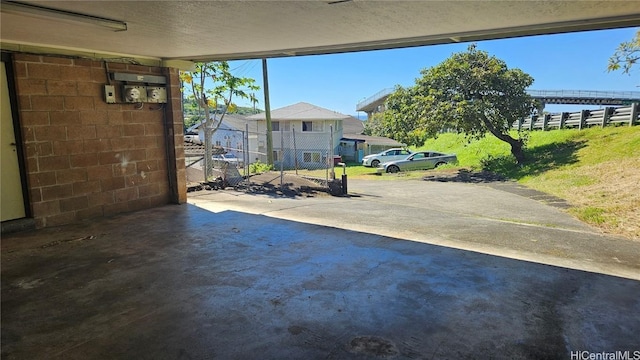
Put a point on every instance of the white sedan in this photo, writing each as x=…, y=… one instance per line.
x=374, y=160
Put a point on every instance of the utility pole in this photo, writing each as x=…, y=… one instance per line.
x=267, y=109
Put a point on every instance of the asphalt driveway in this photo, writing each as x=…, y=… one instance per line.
x=492, y=218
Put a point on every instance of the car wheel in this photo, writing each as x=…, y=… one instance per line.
x=393, y=169
x=375, y=163
x=440, y=163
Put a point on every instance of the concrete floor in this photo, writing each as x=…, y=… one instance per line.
x=182, y=282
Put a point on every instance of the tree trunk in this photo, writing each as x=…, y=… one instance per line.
x=208, y=160
x=516, y=144
x=516, y=150
x=516, y=147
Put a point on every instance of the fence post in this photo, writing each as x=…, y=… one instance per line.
x=245, y=154
x=333, y=174
x=532, y=120
x=281, y=157
x=562, y=120
x=295, y=149
x=545, y=121
x=605, y=116
x=520, y=124
x=634, y=113
x=583, y=116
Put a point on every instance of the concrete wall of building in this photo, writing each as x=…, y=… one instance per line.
x=86, y=158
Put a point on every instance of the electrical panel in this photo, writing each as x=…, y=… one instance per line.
x=134, y=94
x=135, y=89
x=156, y=94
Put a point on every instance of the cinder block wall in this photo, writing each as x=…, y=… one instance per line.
x=86, y=158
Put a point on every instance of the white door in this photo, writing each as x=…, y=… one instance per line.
x=11, y=197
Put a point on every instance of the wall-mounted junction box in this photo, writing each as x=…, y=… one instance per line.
x=156, y=94
x=134, y=94
x=110, y=94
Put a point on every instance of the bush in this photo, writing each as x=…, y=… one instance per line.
x=258, y=167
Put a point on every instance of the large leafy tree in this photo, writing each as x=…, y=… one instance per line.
x=213, y=88
x=470, y=92
x=626, y=56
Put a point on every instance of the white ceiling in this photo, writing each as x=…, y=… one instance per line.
x=219, y=30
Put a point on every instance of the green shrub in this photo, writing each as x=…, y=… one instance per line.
x=258, y=167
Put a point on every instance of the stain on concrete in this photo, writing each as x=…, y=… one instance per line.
x=296, y=330
x=373, y=346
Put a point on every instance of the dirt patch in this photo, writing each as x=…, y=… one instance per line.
x=267, y=183
x=289, y=185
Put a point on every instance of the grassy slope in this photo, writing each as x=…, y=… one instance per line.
x=596, y=170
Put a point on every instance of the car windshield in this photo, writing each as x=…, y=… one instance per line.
x=229, y=156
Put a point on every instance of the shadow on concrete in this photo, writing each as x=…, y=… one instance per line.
x=182, y=282
x=465, y=176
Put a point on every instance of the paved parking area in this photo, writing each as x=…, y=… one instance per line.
x=236, y=276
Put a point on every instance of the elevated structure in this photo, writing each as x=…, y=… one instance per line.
x=584, y=97
x=375, y=103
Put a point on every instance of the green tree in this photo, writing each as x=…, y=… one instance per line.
x=471, y=93
x=402, y=117
x=626, y=56
x=213, y=87
x=374, y=125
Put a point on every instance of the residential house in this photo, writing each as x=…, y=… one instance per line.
x=354, y=145
x=304, y=135
x=230, y=135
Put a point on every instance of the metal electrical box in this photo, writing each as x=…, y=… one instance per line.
x=156, y=94
x=110, y=94
x=134, y=94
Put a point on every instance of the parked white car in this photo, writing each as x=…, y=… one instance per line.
x=229, y=158
x=374, y=160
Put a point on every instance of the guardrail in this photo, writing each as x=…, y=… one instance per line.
x=594, y=94
x=374, y=98
x=602, y=117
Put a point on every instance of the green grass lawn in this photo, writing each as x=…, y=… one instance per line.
x=597, y=170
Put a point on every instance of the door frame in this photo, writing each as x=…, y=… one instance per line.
x=7, y=59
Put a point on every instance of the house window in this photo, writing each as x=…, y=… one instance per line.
x=311, y=157
x=307, y=126
x=275, y=126
x=218, y=143
x=240, y=146
x=312, y=126
x=277, y=155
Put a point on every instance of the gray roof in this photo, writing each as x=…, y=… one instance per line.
x=372, y=140
x=301, y=111
x=352, y=125
x=231, y=122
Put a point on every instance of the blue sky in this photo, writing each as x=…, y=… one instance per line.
x=574, y=61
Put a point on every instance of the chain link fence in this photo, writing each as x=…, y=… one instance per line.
x=308, y=153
